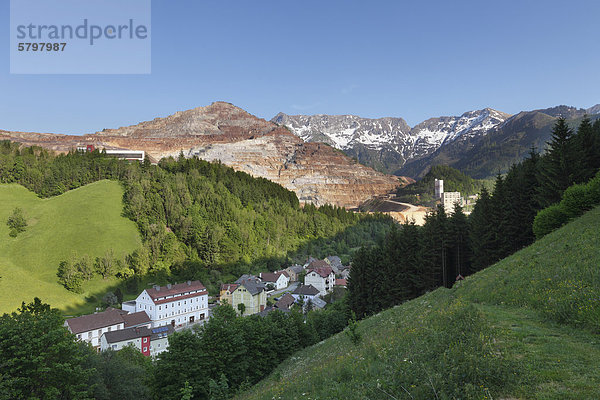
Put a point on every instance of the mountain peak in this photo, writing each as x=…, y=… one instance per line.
x=218, y=118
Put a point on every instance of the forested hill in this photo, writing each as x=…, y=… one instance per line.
x=422, y=191
x=197, y=219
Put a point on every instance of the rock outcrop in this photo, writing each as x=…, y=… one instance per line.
x=318, y=173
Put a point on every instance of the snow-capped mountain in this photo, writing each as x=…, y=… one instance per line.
x=389, y=142
x=433, y=133
x=346, y=131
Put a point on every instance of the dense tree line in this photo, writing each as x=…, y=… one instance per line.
x=229, y=354
x=412, y=260
x=41, y=359
x=197, y=219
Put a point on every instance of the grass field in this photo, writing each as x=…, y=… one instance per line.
x=84, y=221
x=526, y=327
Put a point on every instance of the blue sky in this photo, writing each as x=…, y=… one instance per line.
x=370, y=58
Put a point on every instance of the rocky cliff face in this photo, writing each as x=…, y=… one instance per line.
x=317, y=172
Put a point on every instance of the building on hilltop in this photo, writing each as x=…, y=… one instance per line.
x=176, y=305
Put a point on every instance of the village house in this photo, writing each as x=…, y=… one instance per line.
x=341, y=282
x=321, y=277
x=285, y=302
x=226, y=292
x=279, y=280
x=294, y=272
x=149, y=342
x=90, y=328
x=176, y=305
x=252, y=294
x=305, y=292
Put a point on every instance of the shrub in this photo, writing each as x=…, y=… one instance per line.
x=576, y=200
x=16, y=222
x=549, y=219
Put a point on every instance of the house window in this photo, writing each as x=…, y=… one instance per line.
x=79, y=336
x=109, y=328
x=89, y=335
x=159, y=307
x=145, y=349
x=99, y=332
x=145, y=340
x=114, y=346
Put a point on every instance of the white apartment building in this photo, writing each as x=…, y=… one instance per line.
x=450, y=199
x=322, y=278
x=175, y=305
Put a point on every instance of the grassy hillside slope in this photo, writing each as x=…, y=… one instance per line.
x=82, y=221
x=526, y=327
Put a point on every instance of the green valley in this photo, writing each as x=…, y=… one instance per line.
x=83, y=221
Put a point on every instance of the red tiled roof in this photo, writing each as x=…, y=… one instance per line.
x=340, y=282
x=324, y=272
x=229, y=286
x=177, y=289
x=318, y=264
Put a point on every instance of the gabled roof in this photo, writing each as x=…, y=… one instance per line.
x=296, y=268
x=285, y=302
x=158, y=292
x=229, y=286
x=334, y=261
x=127, y=334
x=324, y=272
x=253, y=287
x=306, y=290
x=272, y=276
x=319, y=264
x=246, y=277
x=341, y=282
x=136, y=319
x=90, y=322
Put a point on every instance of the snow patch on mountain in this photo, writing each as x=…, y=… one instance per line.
x=348, y=131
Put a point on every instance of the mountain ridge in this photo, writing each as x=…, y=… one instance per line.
x=410, y=151
x=319, y=174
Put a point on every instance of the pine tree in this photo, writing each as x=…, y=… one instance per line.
x=481, y=235
x=586, y=142
x=558, y=166
x=459, y=244
x=435, y=250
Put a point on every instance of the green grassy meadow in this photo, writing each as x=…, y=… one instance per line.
x=526, y=327
x=84, y=221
